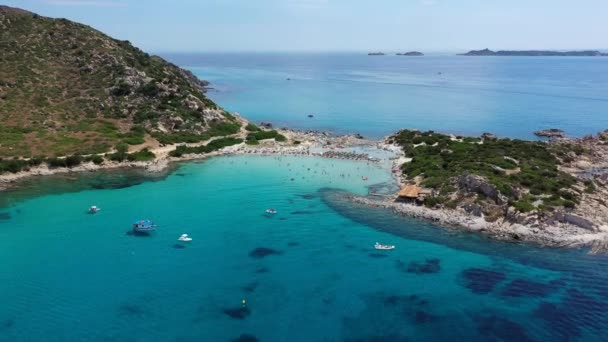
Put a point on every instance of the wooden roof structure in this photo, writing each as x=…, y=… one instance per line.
x=410, y=191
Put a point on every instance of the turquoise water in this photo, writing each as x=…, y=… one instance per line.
x=375, y=96
x=309, y=273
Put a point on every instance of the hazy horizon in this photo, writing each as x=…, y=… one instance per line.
x=334, y=26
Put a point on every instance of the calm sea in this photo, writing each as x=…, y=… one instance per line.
x=377, y=95
x=310, y=272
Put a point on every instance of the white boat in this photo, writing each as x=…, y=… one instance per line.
x=383, y=247
x=271, y=211
x=184, y=238
x=94, y=209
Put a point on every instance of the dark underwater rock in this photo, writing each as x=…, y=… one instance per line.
x=245, y=338
x=482, y=281
x=308, y=196
x=423, y=317
x=262, y=270
x=293, y=244
x=5, y=216
x=238, y=313
x=302, y=212
x=131, y=310
x=379, y=338
x=262, y=252
x=560, y=321
x=7, y=324
x=427, y=267
x=501, y=329
x=249, y=288
x=527, y=288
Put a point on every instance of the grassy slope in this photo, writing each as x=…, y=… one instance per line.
x=66, y=88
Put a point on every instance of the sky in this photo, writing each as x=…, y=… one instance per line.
x=339, y=25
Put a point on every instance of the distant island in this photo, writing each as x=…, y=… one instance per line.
x=538, y=53
x=376, y=54
x=411, y=53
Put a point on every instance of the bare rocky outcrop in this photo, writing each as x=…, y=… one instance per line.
x=477, y=184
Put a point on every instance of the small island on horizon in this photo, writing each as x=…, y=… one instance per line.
x=411, y=53
x=535, y=53
x=376, y=53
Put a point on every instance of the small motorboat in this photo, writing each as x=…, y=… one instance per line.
x=364, y=178
x=144, y=226
x=271, y=211
x=184, y=238
x=94, y=209
x=383, y=247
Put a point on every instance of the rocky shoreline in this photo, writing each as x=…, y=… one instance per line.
x=559, y=235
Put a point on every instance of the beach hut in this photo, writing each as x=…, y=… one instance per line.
x=409, y=193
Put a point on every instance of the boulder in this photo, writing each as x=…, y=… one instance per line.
x=550, y=133
x=477, y=184
x=489, y=136
x=578, y=221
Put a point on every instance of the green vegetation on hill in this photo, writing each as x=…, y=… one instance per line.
x=254, y=137
x=214, y=145
x=67, y=88
x=523, y=171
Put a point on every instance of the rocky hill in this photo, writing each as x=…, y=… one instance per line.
x=531, y=183
x=67, y=88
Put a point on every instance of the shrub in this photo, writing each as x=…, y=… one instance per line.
x=262, y=135
x=252, y=128
x=73, y=160
x=523, y=206
x=143, y=155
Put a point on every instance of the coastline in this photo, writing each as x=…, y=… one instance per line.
x=354, y=147
x=312, y=144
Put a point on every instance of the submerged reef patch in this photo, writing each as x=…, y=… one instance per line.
x=5, y=216
x=240, y=312
x=501, y=329
x=527, y=288
x=245, y=338
x=482, y=281
x=262, y=270
x=262, y=252
x=251, y=287
x=129, y=309
x=427, y=267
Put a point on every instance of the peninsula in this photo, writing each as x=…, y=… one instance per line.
x=535, y=53
x=550, y=193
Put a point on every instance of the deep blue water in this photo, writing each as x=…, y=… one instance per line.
x=308, y=273
x=377, y=95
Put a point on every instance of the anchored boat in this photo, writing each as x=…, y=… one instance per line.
x=144, y=226
x=383, y=247
x=94, y=209
x=271, y=211
x=184, y=238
